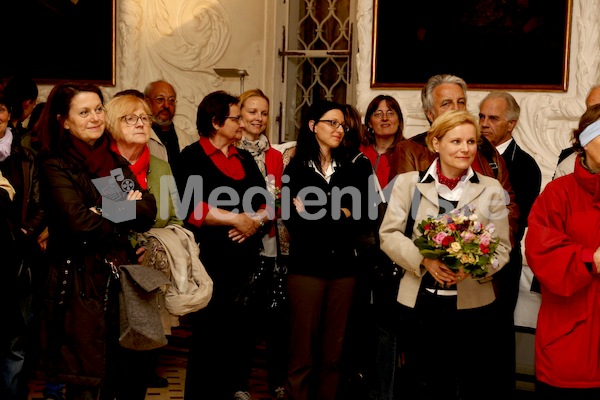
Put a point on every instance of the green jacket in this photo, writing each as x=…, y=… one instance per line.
x=160, y=168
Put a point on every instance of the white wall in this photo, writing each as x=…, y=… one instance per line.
x=183, y=40
x=546, y=118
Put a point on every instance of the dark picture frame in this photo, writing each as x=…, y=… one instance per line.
x=57, y=40
x=491, y=44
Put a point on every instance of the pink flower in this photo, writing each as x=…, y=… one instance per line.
x=467, y=236
x=439, y=238
x=485, y=240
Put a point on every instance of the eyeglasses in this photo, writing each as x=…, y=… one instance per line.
x=335, y=124
x=132, y=119
x=160, y=100
x=388, y=113
x=237, y=118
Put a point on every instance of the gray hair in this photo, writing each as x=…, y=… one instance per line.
x=512, y=107
x=150, y=86
x=435, y=81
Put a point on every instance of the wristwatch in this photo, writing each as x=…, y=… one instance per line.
x=261, y=221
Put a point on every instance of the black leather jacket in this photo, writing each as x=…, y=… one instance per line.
x=80, y=318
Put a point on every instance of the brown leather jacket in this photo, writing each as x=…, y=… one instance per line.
x=413, y=155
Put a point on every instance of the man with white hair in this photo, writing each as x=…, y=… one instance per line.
x=498, y=117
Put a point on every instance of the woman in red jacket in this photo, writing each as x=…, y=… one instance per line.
x=563, y=250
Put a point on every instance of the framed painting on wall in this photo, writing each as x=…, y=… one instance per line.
x=491, y=44
x=55, y=40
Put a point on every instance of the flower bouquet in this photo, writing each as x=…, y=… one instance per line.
x=459, y=240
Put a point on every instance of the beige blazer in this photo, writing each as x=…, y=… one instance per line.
x=158, y=149
x=5, y=184
x=490, y=201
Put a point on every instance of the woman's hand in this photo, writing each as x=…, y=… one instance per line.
x=441, y=273
x=140, y=252
x=244, y=226
x=460, y=275
x=298, y=204
x=133, y=195
x=42, y=239
x=597, y=260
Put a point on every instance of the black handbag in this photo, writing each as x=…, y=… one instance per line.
x=386, y=273
x=253, y=295
x=266, y=289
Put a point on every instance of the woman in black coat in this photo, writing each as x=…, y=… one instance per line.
x=228, y=211
x=327, y=214
x=88, y=240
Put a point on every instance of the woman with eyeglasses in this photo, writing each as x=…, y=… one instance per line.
x=228, y=217
x=88, y=240
x=326, y=203
x=384, y=123
x=128, y=119
x=168, y=246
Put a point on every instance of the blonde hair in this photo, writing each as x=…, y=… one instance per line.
x=120, y=106
x=255, y=93
x=448, y=121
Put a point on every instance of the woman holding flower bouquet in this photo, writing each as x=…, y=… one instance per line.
x=563, y=250
x=460, y=237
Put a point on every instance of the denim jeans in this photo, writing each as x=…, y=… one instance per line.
x=386, y=358
x=17, y=315
x=13, y=383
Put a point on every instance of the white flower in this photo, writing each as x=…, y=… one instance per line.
x=455, y=247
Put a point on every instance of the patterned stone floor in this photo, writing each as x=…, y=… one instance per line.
x=173, y=361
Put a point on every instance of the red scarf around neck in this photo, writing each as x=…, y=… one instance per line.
x=140, y=167
x=450, y=182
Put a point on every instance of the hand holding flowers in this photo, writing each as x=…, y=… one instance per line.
x=459, y=240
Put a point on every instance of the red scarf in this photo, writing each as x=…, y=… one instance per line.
x=140, y=167
x=450, y=182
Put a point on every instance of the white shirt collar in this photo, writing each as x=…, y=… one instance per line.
x=328, y=172
x=502, y=147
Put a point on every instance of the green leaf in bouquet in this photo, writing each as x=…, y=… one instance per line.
x=422, y=242
x=452, y=263
x=433, y=253
x=421, y=226
x=478, y=271
x=470, y=248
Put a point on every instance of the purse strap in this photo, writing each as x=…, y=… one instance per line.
x=410, y=222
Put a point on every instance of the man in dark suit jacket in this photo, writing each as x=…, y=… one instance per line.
x=498, y=116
